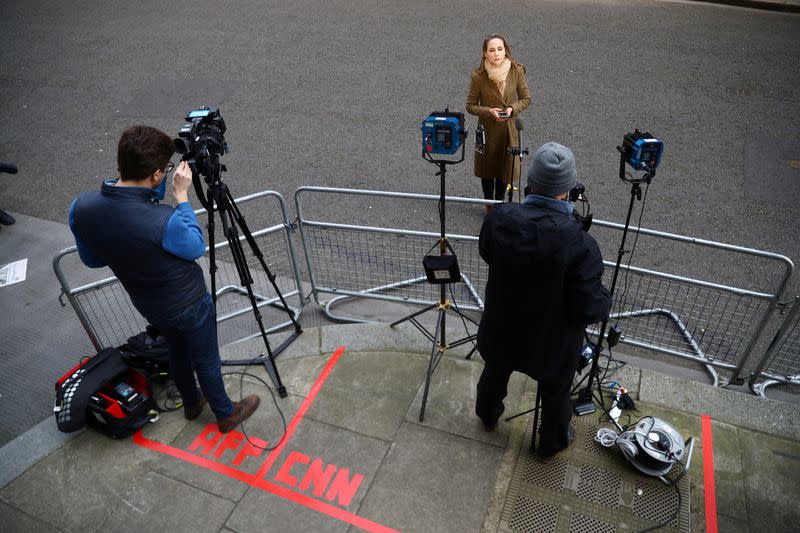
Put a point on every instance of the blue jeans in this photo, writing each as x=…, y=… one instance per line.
x=193, y=348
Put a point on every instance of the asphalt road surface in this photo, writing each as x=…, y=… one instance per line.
x=332, y=93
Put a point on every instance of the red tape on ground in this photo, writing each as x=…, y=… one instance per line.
x=709, y=487
x=257, y=479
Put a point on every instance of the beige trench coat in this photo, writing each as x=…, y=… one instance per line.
x=483, y=95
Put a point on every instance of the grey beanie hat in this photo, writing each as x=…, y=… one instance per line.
x=553, y=170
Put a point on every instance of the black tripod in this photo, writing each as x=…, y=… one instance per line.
x=219, y=199
x=584, y=403
x=439, y=336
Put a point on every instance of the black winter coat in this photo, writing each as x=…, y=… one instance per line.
x=544, y=288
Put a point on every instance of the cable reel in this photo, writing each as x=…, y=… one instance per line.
x=652, y=446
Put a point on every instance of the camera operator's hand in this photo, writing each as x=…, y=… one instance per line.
x=181, y=181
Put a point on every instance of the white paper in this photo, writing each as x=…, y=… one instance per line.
x=13, y=272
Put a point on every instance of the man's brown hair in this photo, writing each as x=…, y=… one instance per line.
x=141, y=151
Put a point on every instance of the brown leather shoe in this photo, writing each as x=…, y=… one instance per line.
x=241, y=412
x=190, y=413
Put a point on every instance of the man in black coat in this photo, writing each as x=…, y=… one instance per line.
x=544, y=287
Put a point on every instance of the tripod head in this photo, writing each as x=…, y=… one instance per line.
x=212, y=176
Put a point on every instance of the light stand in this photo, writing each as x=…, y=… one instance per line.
x=584, y=403
x=219, y=199
x=439, y=336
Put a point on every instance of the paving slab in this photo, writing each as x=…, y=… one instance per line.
x=76, y=487
x=15, y=520
x=158, y=503
x=451, y=401
x=351, y=458
x=433, y=481
x=297, y=374
x=771, y=471
x=260, y=511
x=369, y=392
x=21, y=453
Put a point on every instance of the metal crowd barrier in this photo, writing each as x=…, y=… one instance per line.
x=109, y=318
x=357, y=261
x=715, y=323
x=781, y=361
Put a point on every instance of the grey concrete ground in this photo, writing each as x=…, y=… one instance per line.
x=444, y=474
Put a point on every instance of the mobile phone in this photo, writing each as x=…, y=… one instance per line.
x=503, y=114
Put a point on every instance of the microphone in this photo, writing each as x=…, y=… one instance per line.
x=8, y=168
x=519, y=123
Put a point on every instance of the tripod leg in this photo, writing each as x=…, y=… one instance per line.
x=435, y=354
x=212, y=263
x=472, y=351
x=414, y=314
x=248, y=235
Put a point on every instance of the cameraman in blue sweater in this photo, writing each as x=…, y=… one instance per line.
x=152, y=250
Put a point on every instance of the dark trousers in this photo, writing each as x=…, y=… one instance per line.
x=556, y=406
x=193, y=348
x=493, y=189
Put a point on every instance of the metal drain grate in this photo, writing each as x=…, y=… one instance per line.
x=599, y=486
x=587, y=524
x=550, y=476
x=587, y=489
x=656, y=502
x=534, y=517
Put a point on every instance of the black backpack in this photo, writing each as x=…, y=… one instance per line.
x=147, y=351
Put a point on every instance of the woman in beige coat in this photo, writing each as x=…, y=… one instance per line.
x=498, y=92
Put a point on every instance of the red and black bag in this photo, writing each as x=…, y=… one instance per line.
x=106, y=393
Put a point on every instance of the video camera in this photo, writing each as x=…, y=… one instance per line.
x=201, y=140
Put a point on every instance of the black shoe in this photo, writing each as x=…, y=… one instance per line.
x=6, y=219
x=546, y=457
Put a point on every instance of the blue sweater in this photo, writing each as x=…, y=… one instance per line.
x=150, y=248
